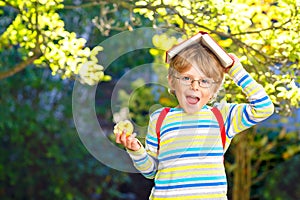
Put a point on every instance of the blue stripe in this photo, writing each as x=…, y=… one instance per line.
x=170, y=129
x=263, y=105
x=151, y=137
x=156, y=112
x=242, y=79
x=207, y=178
x=245, y=123
x=259, y=100
x=229, y=118
x=149, y=173
x=188, y=127
x=189, y=185
x=151, y=143
x=189, y=122
x=197, y=149
x=139, y=160
x=191, y=155
x=247, y=116
x=246, y=83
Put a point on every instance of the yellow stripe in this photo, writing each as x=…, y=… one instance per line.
x=238, y=113
x=152, y=125
x=146, y=168
x=191, y=173
x=153, y=154
x=191, y=144
x=235, y=70
x=205, y=166
x=203, y=115
x=263, y=114
x=257, y=89
x=193, y=197
x=191, y=139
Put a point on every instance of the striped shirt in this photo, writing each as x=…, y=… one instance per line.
x=190, y=162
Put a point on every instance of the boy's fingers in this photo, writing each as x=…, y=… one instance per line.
x=118, y=138
x=123, y=138
x=234, y=57
x=132, y=143
x=133, y=135
x=128, y=142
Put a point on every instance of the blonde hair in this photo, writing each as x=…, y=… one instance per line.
x=201, y=57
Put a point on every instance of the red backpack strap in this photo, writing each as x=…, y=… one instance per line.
x=159, y=122
x=220, y=120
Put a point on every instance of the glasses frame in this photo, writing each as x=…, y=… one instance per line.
x=193, y=80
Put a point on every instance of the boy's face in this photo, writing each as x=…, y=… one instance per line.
x=191, y=97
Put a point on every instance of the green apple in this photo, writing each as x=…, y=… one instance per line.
x=123, y=125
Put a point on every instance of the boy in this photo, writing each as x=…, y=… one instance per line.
x=189, y=163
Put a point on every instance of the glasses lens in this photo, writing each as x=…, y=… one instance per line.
x=205, y=83
x=186, y=80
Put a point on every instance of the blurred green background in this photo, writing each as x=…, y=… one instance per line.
x=44, y=44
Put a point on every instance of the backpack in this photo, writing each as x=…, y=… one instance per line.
x=215, y=111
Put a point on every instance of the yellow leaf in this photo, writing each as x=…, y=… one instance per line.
x=282, y=89
x=43, y=1
x=154, y=52
x=281, y=94
x=2, y=3
x=225, y=43
x=141, y=3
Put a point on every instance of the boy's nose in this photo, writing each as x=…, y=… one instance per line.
x=195, y=85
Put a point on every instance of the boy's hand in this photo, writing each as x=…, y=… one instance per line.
x=122, y=126
x=235, y=60
x=129, y=142
x=123, y=131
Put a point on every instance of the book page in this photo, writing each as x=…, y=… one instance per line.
x=224, y=58
x=176, y=49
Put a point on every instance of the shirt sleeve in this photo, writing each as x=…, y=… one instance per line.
x=240, y=117
x=145, y=159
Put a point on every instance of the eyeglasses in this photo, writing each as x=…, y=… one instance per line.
x=203, y=82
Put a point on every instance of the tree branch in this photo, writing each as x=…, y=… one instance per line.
x=85, y=5
x=272, y=27
x=20, y=66
x=36, y=53
x=260, y=177
x=12, y=6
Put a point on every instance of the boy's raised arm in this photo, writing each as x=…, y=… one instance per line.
x=259, y=107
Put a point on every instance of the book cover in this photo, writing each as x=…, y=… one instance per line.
x=205, y=39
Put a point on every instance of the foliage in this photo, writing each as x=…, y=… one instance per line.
x=41, y=154
x=38, y=35
x=268, y=149
x=287, y=190
x=265, y=35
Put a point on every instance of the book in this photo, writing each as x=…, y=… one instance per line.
x=205, y=39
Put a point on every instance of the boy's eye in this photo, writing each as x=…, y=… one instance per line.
x=186, y=78
x=206, y=81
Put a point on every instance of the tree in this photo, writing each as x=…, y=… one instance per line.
x=41, y=156
x=36, y=32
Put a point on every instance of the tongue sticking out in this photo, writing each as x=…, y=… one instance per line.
x=192, y=100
